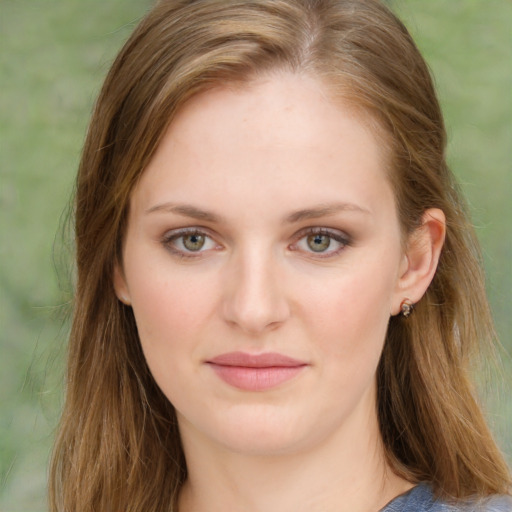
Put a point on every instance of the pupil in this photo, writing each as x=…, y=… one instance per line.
x=319, y=243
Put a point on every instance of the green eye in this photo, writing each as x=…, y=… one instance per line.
x=318, y=242
x=193, y=242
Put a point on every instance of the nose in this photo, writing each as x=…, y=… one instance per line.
x=255, y=299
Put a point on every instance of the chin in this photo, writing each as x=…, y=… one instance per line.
x=263, y=443
x=256, y=432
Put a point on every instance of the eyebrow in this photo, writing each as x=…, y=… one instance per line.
x=185, y=210
x=325, y=210
x=322, y=210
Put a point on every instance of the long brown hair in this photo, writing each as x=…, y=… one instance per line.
x=118, y=446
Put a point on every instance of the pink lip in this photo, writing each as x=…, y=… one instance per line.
x=255, y=372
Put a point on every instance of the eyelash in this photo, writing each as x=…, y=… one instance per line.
x=170, y=238
x=343, y=239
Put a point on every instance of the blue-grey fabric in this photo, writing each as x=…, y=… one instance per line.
x=422, y=499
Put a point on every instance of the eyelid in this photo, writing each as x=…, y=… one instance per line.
x=174, y=234
x=335, y=234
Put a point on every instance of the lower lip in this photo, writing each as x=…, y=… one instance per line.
x=256, y=379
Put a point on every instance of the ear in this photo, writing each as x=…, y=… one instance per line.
x=120, y=286
x=420, y=260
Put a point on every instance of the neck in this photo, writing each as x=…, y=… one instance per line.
x=347, y=472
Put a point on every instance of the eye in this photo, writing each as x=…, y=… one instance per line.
x=187, y=242
x=321, y=241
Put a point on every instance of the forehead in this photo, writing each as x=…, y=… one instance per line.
x=283, y=131
x=292, y=107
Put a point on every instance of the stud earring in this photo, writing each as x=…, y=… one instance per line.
x=406, y=307
x=125, y=300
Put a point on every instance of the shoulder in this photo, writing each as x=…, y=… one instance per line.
x=491, y=504
x=422, y=499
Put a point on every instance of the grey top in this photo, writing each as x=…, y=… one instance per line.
x=422, y=499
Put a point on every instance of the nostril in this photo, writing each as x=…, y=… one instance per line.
x=255, y=310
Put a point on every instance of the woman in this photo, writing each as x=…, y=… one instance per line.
x=278, y=289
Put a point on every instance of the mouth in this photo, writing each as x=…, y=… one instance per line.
x=255, y=372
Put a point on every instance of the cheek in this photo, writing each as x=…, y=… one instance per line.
x=172, y=312
x=348, y=313
x=166, y=301
x=347, y=326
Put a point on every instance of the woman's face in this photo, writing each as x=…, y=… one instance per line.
x=262, y=261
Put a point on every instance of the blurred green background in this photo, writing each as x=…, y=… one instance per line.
x=54, y=54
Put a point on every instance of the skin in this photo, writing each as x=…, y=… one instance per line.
x=258, y=168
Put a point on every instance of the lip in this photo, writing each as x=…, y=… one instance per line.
x=255, y=372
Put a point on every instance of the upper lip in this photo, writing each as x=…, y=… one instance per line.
x=266, y=360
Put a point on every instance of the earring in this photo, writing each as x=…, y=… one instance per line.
x=125, y=300
x=406, y=307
